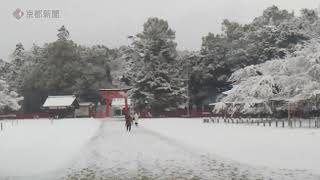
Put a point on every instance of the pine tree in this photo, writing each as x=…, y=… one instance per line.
x=63, y=34
x=3, y=69
x=18, y=59
x=156, y=83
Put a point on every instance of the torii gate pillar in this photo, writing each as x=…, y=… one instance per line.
x=109, y=94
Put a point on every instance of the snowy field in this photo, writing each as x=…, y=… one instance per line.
x=249, y=144
x=171, y=148
x=30, y=147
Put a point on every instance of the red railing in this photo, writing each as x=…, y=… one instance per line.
x=176, y=113
x=24, y=115
x=144, y=114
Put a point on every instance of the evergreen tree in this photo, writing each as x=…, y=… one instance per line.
x=63, y=34
x=156, y=84
x=3, y=69
x=62, y=68
x=18, y=58
x=95, y=72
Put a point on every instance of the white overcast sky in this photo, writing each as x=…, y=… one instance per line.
x=109, y=22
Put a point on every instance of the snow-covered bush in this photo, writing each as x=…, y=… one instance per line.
x=295, y=77
x=8, y=99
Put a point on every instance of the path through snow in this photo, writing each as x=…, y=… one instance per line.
x=144, y=154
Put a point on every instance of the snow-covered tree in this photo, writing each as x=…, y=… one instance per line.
x=273, y=16
x=63, y=33
x=3, y=69
x=17, y=61
x=124, y=67
x=9, y=100
x=94, y=72
x=272, y=35
x=156, y=83
x=293, y=78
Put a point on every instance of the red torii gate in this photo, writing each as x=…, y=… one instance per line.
x=109, y=94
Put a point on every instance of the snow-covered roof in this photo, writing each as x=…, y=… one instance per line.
x=58, y=101
x=119, y=102
x=85, y=103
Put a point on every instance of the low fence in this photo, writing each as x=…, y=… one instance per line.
x=7, y=124
x=271, y=122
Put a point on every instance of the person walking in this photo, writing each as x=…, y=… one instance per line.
x=136, y=117
x=128, y=119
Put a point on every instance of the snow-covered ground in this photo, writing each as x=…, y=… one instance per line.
x=30, y=147
x=171, y=148
x=259, y=146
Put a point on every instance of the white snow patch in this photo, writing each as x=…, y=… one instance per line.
x=252, y=145
x=29, y=147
